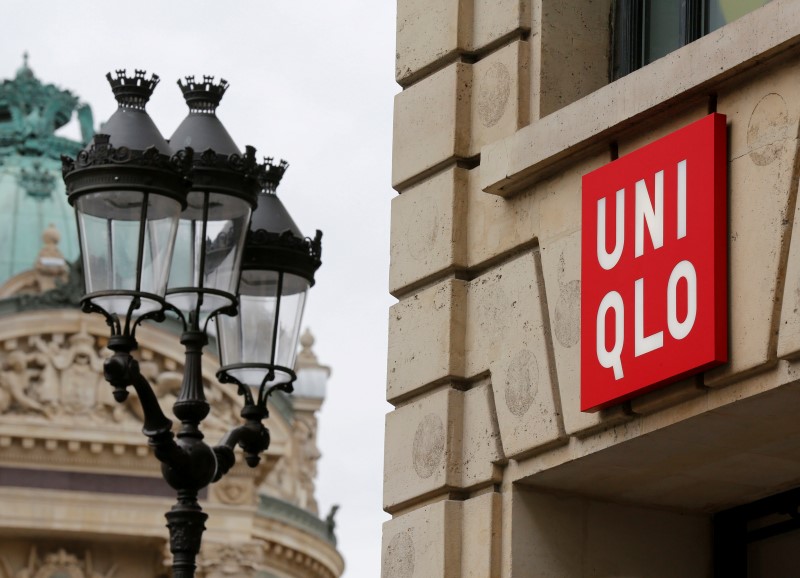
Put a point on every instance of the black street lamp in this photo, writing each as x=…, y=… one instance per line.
x=139, y=201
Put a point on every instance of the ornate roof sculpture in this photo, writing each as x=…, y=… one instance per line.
x=31, y=190
x=31, y=112
x=74, y=466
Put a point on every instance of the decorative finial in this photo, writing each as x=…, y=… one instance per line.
x=307, y=339
x=203, y=97
x=51, y=236
x=132, y=91
x=270, y=174
x=51, y=267
x=306, y=358
x=24, y=70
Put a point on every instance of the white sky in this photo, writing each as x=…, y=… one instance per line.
x=312, y=83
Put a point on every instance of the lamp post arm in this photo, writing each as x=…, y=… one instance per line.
x=155, y=422
x=252, y=436
x=122, y=370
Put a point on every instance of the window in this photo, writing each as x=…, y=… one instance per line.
x=646, y=30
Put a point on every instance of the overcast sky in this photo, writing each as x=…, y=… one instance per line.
x=311, y=82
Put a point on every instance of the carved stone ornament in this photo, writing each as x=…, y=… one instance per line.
x=230, y=560
x=58, y=564
x=293, y=477
x=234, y=491
x=305, y=434
x=58, y=378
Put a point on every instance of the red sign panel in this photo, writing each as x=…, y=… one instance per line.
x=654, y=265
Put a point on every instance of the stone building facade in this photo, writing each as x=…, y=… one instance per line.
x=81, y=495
x=491, y=467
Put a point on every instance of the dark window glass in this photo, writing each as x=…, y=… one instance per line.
x=646, y=30
x=662, y=28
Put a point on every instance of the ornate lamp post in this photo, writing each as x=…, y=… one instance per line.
x=138, y=201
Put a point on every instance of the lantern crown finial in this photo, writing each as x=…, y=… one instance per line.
x=204, y=96
x=132, y=91
x=202, y=129
x=270, y=174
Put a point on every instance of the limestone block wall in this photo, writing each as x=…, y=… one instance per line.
x=491, y=469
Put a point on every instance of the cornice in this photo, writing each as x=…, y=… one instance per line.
x=295, y=551
x=68, y=453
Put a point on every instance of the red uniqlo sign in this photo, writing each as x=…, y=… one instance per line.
x=654, y=265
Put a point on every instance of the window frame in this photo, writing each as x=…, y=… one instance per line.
x=630, y=20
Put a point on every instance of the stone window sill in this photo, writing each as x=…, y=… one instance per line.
x=685, y=76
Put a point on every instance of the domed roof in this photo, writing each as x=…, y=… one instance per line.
x=32, y=195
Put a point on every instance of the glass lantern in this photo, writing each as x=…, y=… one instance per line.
x=128, y=189
x=258, y=347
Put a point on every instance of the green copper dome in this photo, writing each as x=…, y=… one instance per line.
x=32, y=195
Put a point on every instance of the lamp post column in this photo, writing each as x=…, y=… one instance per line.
x=186, y=523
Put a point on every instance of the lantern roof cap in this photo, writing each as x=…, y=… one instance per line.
x=202, y=129
x=130, y=126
